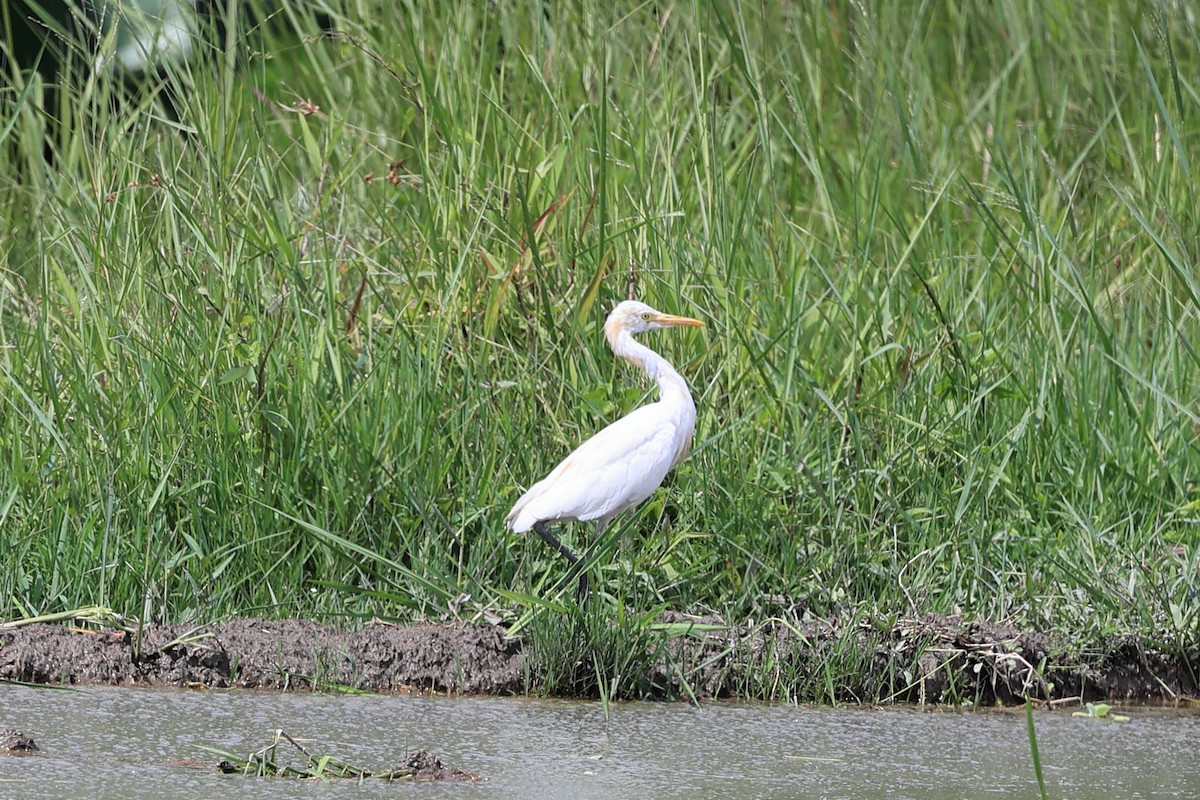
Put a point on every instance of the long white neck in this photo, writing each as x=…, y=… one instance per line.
x=671, y=385
x=672, y=389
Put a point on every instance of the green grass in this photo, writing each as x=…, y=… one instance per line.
x=945, y=253
x=1031, y=732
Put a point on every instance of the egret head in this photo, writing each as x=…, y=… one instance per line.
x=633, y=317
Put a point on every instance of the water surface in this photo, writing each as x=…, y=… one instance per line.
x=124, y=743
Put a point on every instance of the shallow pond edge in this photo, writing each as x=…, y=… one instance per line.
x=932, y=660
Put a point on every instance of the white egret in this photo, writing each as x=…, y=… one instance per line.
x=623, y=464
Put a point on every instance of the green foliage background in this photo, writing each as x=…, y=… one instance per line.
x=295, y=347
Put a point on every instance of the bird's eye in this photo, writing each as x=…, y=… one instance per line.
x=647, y=316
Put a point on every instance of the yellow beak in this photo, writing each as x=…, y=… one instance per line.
x=674, y=321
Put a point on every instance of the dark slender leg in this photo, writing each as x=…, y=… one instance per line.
x=552, y=540
x=549, y=538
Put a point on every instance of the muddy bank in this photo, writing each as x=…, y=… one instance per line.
x=935, y=659
x=932, y=660
x=269, y=654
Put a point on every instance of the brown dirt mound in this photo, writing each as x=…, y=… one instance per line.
x=269, y=654
x=929, y=660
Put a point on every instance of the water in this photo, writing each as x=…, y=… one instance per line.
x=135, y=743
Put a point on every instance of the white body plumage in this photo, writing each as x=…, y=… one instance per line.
x=624, y=463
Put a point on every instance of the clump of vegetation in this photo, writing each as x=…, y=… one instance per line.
x=1102, y=711
x=292, y=348
x=270, y=763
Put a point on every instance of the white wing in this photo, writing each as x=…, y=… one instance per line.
x=614, y=470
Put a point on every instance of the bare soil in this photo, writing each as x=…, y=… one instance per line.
x=930, y=660
x=269, y=654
